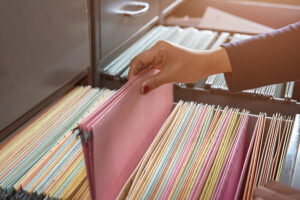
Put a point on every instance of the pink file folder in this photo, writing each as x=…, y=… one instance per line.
x=85, y=128
x=228, y=181
x=245, y=166
x=123, y=129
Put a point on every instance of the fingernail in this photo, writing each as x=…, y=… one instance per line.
x=146, y=89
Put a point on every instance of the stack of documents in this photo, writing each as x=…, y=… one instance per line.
x=43, y=158
x=218, y=82
x=268, y=153
x=136, y=147
x=117, y=134
x=196, y=153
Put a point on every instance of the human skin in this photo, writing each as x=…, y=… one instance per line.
x=178, y=64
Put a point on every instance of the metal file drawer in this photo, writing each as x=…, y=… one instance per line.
x=118, y=25
x=43, y=46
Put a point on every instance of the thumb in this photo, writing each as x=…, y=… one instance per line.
x=153, y=82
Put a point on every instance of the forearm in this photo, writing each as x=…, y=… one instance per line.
x=219, y=62
x=264, y=59
x=212, y=62
x=246, y=64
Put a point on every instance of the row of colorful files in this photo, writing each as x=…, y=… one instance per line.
x=204, y=152
x=188, y=157
x=44, y=159
x=136, y=148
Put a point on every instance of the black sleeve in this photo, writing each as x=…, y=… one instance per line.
x=264, y=59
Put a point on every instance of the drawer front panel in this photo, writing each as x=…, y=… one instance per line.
x=120, y=20
x=43, y=46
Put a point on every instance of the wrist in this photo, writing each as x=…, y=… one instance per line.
x=211, y=62
x=219, y=61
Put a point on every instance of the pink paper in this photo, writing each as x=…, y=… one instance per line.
x=85, y=128
x=228, y=181
x=123, y=130
x=245, y=166
x=96, y=113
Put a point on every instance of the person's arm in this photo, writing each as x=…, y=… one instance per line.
x=178, y=64
x=265, y=59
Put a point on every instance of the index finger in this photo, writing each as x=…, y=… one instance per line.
x=141, y=61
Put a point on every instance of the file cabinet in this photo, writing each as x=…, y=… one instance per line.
x=63, y=48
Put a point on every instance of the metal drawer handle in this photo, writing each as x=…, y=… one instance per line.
x=144, y=8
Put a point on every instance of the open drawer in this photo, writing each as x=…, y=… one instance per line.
x=287, y=176
x=119, y=152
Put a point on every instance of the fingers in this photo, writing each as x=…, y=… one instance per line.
x=266, y=194
x=153, y=82
x=151, y=57
x=279, y=187
x=142, y=61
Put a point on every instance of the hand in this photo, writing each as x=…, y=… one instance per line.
x=178, y=64
x=275, y=191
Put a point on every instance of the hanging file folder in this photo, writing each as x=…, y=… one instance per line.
x=118, y=133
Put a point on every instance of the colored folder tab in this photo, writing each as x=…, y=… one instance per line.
x=118, y=133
